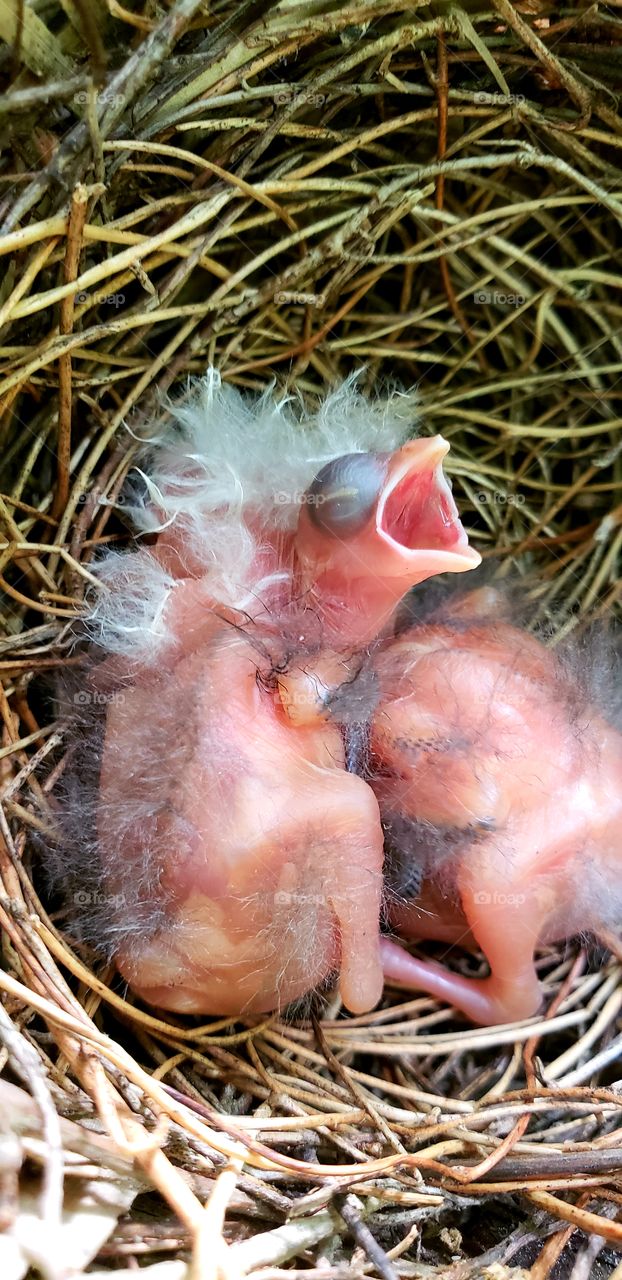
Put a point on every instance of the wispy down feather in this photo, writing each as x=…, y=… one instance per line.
x=227, y=471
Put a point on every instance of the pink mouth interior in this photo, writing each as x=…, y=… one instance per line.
x=420, y=513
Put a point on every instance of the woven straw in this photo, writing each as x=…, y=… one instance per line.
x=433, y=192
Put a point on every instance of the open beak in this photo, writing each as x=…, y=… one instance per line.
x=372, y=526
x=416, y=515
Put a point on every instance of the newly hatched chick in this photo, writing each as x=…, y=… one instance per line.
x=240, y=861
x=327, y=518
x=262, y=854
x=501, y=782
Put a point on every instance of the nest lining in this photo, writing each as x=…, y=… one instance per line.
x=432, y=194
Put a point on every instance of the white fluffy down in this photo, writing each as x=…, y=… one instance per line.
x=224, y=472
x=127, y=613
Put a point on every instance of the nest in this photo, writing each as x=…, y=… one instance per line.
x=431, y=192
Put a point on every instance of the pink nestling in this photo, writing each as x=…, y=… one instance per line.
x=236, y=859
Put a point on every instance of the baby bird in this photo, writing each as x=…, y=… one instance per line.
x=500, y=782
x=234, y=857
x=330, y=516
x=261, y=855
x=238, y=858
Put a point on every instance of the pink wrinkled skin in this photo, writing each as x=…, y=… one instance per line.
x=230, y=829
x=482, y=731
x=260, y=854
x=269, y=854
